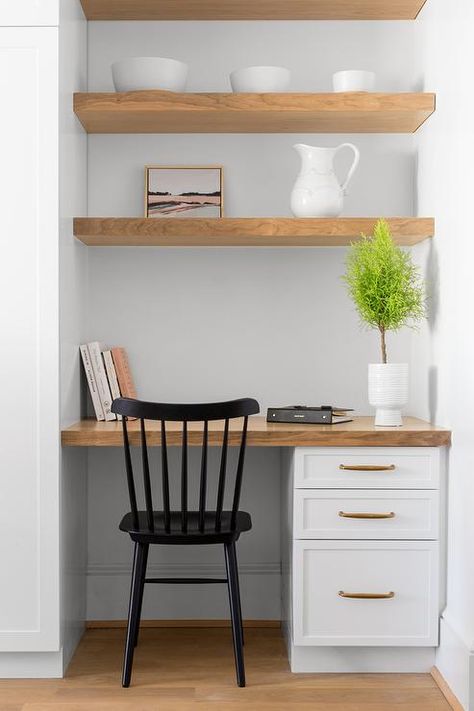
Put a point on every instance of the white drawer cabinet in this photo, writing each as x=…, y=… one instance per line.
x=361, y=567
x=354, y=513
x=330, y=575
x=367, y=468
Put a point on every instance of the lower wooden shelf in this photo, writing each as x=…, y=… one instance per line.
x=360, y=432
x=242, y=231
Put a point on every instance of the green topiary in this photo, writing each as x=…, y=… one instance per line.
x=384, y=284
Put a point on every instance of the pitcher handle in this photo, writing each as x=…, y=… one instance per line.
x=354, y=165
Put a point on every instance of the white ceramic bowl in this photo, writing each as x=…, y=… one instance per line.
x=353, y=80
x=142, y=73
x=260, y=79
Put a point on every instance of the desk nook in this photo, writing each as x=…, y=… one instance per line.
x=362, y=532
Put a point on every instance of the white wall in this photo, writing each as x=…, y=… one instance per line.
x=442, y=356
x=282, y=313
x=73, y=274
x=203, y=324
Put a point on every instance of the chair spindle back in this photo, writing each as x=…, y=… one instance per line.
x=226, y=411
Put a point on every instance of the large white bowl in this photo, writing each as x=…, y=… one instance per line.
x=142, y=73
x=353, y=80
x=260, y=79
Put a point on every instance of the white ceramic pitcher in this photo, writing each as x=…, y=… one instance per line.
x=317, y=191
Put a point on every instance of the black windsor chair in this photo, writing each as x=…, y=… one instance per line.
x=184, y=527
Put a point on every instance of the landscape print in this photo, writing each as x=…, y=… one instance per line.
x=184, y=191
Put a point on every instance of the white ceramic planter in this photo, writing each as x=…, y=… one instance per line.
x=388, y=392
x=149, y=73
x=258, y=80
x=353, y=80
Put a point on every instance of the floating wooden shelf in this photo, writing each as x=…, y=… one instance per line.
x=169, y=112
x=242, y=232
x=252, y=9
x=361, y=432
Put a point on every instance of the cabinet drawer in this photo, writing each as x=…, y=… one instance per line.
x=346, y=513
x=367, y=467
x=328, y=576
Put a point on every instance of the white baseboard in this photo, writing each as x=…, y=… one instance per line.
x=108, y=591
x=31, y=665
x=184, y=571
x=455, y=661
x=360, y=660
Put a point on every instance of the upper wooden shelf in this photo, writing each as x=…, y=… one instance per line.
x=359, y=433
x=242, y=232
x=252, y=9
x=169, y=112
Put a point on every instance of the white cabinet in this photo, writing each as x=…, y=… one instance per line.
x=29, y=417
x=366, y=593
x=29, y=13
x=362, y=554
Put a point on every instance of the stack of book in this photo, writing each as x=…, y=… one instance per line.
x=108, y=377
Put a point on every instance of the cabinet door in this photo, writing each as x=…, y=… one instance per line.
x=29, y=419
x=361, y=593
x=29, y=13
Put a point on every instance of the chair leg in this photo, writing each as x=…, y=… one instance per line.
x=137, y=573
x=234, y=602
x=142, y=587
x=238, y=595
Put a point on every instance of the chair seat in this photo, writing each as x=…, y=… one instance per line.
x=193, y=535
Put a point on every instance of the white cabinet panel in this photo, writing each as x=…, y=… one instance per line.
x=29, y=13
x=362, y=514
x=367, y=467
x=29, y=425
x=404, y=571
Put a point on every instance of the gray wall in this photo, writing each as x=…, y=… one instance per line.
x=201, y=324
x=73, y=275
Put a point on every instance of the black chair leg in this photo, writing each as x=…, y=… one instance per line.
x=142, y=587
x=238, y=595
x=234, y=601
x=137, y=573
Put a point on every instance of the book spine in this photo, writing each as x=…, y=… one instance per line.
x=91, y=382
x=124, y=375
x=101, y=379
x=112, y=376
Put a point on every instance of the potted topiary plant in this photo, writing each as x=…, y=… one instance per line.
x=388, y=294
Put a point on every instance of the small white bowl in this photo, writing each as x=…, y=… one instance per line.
x=353, y=80
x=148, y=73
x=260, y=80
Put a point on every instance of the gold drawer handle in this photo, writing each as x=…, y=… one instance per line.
x=366, y=596
x=345, y=514
x=367, y=467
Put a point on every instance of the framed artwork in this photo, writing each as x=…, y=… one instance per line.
x=184, y=191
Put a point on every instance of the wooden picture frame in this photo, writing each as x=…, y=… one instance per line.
x=201, y=194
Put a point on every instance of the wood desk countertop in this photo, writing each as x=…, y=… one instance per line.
x=361, y=432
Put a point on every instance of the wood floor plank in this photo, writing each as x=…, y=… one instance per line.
x=193, y=670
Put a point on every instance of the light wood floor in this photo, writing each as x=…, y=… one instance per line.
x=193, y=670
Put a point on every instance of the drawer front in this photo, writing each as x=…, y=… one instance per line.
x=358, y=514
x=367, y=467
x=330, y=575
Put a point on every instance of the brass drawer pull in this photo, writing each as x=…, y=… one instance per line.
x=345, y=514
x=367, y=467
x=366, y=596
